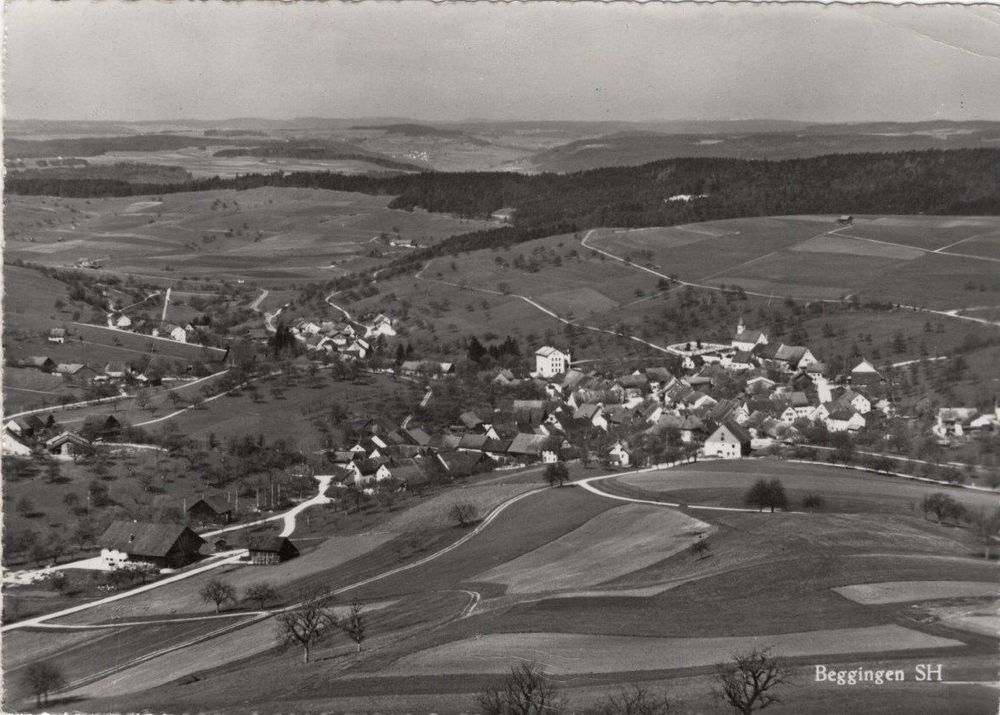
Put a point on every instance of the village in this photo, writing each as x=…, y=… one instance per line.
x=750, y=396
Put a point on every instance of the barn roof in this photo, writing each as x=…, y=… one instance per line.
x=143, y=538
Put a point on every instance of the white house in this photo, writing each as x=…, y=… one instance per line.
x=729, y=441
x=550, y=361
x=57, y=335
x=382, y=325
x=844, y=419
x=954, y=421
x=124, y=322
x=855, y=400
x=619, y=455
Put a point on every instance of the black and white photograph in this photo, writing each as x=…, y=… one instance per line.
x=500, y=358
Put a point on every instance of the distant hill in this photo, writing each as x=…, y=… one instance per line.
x=635, y=148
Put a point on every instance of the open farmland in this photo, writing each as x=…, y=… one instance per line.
x=770, y=580
x=912, y=260
x=260, y=234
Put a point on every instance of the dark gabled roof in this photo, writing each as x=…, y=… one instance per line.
x=418, y=436
x=147, y=539
x=270, y=543
x=215, y=502
x=473, y=441
x=737, y=430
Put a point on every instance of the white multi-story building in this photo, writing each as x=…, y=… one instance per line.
x=550, y=361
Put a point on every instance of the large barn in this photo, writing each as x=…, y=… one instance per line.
x=163, y=545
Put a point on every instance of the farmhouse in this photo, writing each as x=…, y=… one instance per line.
x=76, y=371
x=954, y=421
x=57, y=335
x=68, y=444
x=270, y=549
x=124, y=322
x=40, y=362
x=550, y=361
x=728, y=441
x=26, y=426
x=864, y=373
x=117, y=370
x=163, y=545
x=210, y=510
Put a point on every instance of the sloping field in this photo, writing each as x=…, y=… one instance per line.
x=890, y=258
x=841, y=243
x=616, y=542
x=182, y=597
x=906, y=591
x=433, y=513
x=243, y=643
x=725, y=483
x=571, y=653
x=227, y=234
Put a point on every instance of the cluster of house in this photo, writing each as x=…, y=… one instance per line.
x=158, y=329
x=24, y=434
x=611, y=417
x=335, y=337
x=957, y=423
x=81, y=373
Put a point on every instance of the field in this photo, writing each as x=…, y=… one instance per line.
x=911, y=260
x=482, y=291
x=772, y=580
x=256, y=235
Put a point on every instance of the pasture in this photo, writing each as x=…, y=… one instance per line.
x=259, y=235
x=623, y=603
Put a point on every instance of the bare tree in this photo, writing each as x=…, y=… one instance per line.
x=634, y=700
x=356, y=624
x=261, y=593
x=747, y=681
x=526, y=690
x=217, y=592
x=464, y=513
x=41, y=678
x=306, y=624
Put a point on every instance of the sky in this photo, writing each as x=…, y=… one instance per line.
x=84, y=60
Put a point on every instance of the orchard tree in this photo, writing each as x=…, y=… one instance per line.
x=356, y=624
x=464, y=513
x=218, y=592
x=746, y=683
x=556, y=474
x=526, y=690
x=306, y=624
x=41, y=678
x=261, y=593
